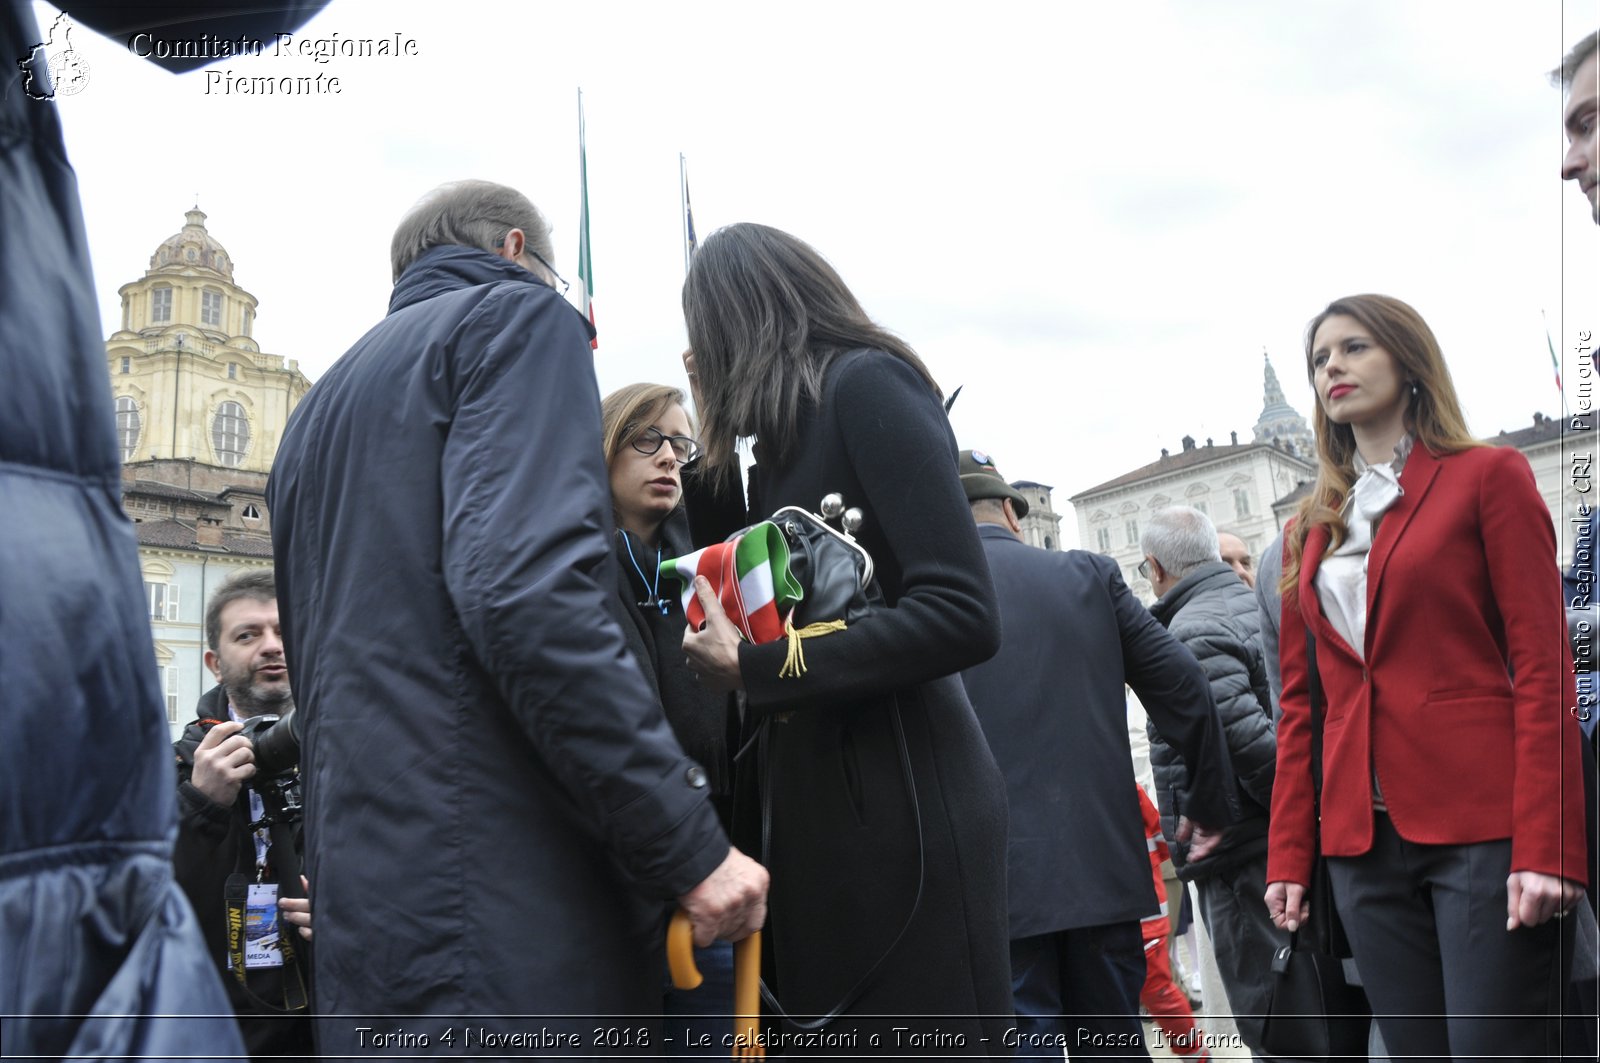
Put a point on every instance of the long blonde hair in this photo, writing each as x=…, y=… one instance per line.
x=1433, y=415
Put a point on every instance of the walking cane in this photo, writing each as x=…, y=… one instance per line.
x=746, y=981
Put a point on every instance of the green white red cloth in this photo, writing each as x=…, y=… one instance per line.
x=751, y=578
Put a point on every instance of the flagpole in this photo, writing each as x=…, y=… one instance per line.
x=683, y=208
x=1555, y=362
x=585, y=262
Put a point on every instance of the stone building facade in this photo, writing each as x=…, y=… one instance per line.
x=200, y=412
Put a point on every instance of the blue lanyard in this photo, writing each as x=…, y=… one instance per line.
x=655, y=600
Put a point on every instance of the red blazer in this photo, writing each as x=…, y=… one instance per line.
x=1461, y=597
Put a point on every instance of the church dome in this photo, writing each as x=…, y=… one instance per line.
x=192, y=247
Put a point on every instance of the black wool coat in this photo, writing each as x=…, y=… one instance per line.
x=496, y=808
x=1053, y=707
x=886, y=810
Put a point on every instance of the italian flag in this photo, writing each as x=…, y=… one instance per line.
x=751, y=578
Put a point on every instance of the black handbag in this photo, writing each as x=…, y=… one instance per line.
x=833, y=571
x=1314, y=1013
x=792, y=576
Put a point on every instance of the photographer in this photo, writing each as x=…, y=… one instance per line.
x=239, y=831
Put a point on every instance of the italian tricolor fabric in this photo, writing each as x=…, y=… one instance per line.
x=751, y=578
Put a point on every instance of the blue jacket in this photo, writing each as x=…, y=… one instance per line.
x=98, y=947
x=496, y=808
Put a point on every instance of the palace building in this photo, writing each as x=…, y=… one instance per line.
x=200, y=411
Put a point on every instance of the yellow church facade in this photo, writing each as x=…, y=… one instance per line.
x=187, y=378
x=200, y=413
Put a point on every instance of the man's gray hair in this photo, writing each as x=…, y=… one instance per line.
x=1181, y=539
x=988, y=507
x=1581, y=53
x=468, y=214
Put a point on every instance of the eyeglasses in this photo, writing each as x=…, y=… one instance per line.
x=540, y=259
x=649, y=441
x=552, y=269
x=1144, y=568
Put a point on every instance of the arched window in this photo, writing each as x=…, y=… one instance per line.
x=127, y=426
x=230, y=434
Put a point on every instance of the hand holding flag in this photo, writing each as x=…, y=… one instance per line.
x=712, y=651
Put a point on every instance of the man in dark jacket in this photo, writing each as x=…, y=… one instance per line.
x=1053, y=708
x=238, y=847
x=1208, y=608
x=497, y=813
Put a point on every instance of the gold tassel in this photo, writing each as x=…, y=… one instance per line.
x=794, y=666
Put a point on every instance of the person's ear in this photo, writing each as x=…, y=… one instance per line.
x=212, y=662
x=1011, y=516
x=512, y=246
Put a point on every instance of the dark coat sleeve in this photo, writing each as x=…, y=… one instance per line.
x=900, y=447
x=206, y=849
x=533, y=595
x=1177, y=698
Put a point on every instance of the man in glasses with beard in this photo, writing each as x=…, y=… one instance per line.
x=239, y=834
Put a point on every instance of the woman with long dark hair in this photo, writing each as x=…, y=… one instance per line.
x=1451, y=814
x=648, y=437
x=884, y=813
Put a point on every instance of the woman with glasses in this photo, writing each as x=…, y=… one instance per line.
x=648, y=438
x=884, y=818
x=1450, y=809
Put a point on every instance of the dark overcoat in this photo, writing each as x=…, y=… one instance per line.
x=1053, y=707
x=98, y=947
x=496, y=809
x=886, y=812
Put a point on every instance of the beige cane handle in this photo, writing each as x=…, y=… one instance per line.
x=680, y=952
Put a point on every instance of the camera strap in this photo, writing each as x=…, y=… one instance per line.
x=253, y=906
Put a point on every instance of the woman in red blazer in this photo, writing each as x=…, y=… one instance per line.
x=1451, y=798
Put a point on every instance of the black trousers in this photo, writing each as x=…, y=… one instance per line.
x=1427, y=924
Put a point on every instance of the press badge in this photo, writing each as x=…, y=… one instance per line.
x=261, y=947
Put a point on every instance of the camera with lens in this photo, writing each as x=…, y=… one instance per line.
x=275, y=742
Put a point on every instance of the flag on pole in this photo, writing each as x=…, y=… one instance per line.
x=585, y=263
x=1555, y=362
x=690, y=243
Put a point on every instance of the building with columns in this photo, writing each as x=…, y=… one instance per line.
x=1042, y=526
x=200, y=412
x=1235, y=484
x=188, y=379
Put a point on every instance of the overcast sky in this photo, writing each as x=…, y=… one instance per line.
x=1093, y=216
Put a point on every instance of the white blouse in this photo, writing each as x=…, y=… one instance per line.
x=1342, y=576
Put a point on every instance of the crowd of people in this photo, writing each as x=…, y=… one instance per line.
x=510, y=757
